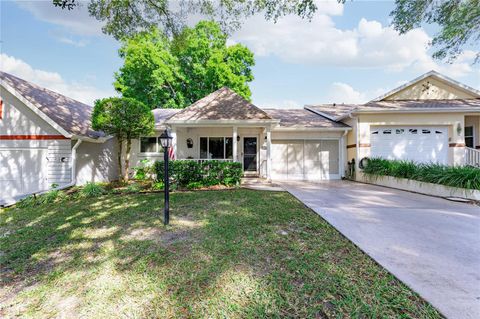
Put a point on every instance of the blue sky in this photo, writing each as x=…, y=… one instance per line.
x=347, y=53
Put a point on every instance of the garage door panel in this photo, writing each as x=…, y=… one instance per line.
x=414, y=143
x=305, y=159
x=22, y=172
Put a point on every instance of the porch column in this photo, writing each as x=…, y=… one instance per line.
x=174, y=141
x=269, y=153
x=234, y=145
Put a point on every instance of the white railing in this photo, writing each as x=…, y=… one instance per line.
x=201, y=160
x=472, y=157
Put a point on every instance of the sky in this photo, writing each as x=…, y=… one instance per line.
x=348, y=53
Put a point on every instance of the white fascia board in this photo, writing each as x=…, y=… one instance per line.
x=309, y=129
x=435, y=74
x=35, y=110
x=92, y=140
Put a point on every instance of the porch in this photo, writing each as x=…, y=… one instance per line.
x=472, y=140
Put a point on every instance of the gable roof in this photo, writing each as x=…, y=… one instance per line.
x=68, y=116
x=292, y=118
x=434, y=74
x=334, y=112
x=221, y=105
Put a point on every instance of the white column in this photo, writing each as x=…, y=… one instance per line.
x=174, y=141
x=234, y=145
x=269, y=153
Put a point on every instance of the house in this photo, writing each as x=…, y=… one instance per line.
x=46, y=137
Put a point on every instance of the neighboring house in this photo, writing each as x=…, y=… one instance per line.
x=430, y=119
x=45, y=139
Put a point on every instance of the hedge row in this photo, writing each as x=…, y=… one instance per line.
x=192, y=174
x=455, y=176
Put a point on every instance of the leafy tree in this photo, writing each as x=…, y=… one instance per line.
x=459, y=22
x=125, y=118
x=123, y=18
x=175, y=72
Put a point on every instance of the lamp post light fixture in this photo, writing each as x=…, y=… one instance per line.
x=166, y=142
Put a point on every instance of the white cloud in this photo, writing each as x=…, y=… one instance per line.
x=76, y=21
x=343, y=93
x=52, y=80
x=368, y=45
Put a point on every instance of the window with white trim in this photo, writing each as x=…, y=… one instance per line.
x=149, y=145
x=216, y=147
x=469, y=140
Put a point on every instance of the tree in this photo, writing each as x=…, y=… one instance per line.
x=175, y=72
x=459, y=22
x=124, y=18
x=125, y=118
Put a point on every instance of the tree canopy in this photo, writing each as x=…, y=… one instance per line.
x=174, y=72
x=458, y=21
x=126, y=119
x=123, y=18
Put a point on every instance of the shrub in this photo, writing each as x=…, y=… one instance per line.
x=29, y=201
x=144, y=171
x=49, y=197
x=92, y=190
x=454, y=176
x=208, y=173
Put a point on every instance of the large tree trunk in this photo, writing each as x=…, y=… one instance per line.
x=120, y=150
x=127, y=158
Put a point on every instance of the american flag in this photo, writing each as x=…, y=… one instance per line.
x=171, y=153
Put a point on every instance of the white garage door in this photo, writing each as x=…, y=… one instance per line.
x=22, y=172
x=305, y=159
x=414, y=143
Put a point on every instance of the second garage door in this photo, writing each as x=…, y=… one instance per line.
x=22, y=172
x=305, y=159
x=413, y=143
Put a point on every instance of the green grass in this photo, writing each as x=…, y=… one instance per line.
x=455, y=176
x=227, y=254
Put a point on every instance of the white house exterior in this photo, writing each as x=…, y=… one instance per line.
x=46, y=138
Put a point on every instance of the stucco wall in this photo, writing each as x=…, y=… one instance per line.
x=475, y=122
x=97, y=162
x=430, y=88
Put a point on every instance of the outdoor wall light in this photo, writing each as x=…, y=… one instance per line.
x=189, y=143
x=238, y=138
x=459, y=129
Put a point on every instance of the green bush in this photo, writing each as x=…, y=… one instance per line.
x=92, y=190
x=192, y=174
x=454, y=176
x=144, y=171
x=29, y=201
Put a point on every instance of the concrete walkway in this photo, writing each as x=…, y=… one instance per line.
x=431, y=244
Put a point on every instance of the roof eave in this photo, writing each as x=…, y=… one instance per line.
x=419, y=110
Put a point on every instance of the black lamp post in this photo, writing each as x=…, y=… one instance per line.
x=166, y=142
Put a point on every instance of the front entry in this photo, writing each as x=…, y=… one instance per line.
x=250, y=154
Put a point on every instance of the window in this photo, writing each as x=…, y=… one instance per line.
x=438, y=132
x=149, y=145
x=413, y=131
x=399, y=131
x=425, y=131
x=216, y=147
x=387, y=131
x=374, y=132
x=469, y=142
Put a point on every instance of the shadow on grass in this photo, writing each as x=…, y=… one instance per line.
x=235, y=253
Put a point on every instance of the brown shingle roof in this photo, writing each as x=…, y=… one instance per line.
x=223, y=104
x=161, y=115
x=71, y=115
x=334, y=112
x=422, y=104
x=302, y=118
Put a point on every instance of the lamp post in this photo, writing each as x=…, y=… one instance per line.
x=166, y=142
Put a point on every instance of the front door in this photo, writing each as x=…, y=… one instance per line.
x=250, y=154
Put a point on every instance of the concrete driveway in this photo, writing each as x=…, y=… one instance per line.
x=429, y=243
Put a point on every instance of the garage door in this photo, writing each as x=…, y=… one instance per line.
x=22, y=172
x=305, y=159
x=414, y=143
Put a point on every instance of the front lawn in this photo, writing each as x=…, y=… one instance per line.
x=227, y=254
